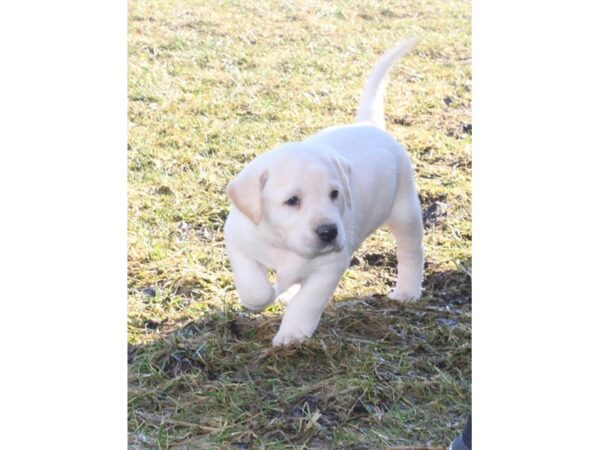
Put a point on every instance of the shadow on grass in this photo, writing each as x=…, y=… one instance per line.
x=376, y=373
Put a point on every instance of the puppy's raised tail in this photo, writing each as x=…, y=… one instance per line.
x=371, y=104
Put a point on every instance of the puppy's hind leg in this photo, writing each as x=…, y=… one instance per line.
x=406, y=224
x=251, y=281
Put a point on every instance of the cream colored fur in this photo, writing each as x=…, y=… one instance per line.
x=372, y=176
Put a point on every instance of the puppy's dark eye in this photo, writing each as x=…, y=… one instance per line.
x=292, y=201
x=334, y=194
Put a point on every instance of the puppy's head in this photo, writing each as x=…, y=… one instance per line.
x=298, y=194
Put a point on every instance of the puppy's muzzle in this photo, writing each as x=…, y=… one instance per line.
x=327, y=232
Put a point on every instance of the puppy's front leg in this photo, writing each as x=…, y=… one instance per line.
x=251, y=281
x=305, y=308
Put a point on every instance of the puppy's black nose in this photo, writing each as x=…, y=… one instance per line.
x=327, y=232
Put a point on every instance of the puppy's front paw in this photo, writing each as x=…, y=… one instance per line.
x=289, y=337
x=259, y=298
x=405, y=295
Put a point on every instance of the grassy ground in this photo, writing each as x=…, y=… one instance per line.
x=211, y=85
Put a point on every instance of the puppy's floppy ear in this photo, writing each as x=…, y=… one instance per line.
x=344, y=171
x=245, y=190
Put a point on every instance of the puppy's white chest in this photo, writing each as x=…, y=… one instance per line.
x=289, y=269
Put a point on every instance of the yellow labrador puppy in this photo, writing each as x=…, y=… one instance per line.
x=303, y=208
